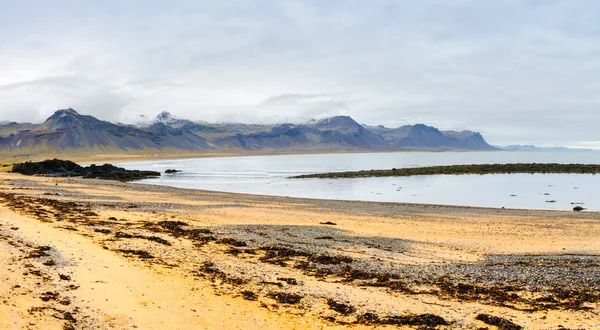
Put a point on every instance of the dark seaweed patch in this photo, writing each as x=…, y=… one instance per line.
x=234, y=252
x=429, y=320
x=139, y=253
x=341, y=308
x=249, y=295
x=209, y=270
x=49, y=295
x=279, y=255
x=329, y=260
x=501, y=323
x=286, y=298
x=156, y=239
x=233, y=242
x=288, y=280
x=200, y=236
x=39, y=252
x=102, y=231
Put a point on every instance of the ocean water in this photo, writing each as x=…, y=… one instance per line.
x=269, y=175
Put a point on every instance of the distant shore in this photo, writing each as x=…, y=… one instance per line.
x=476, y=169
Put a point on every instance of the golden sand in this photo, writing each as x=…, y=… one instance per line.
x=198, y=280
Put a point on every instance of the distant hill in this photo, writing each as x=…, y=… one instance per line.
x=422, y=136
x=67, y=130
x=529, y=147
x=331, y=134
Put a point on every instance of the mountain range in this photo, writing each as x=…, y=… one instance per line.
x=68, y=131
x=530, y=147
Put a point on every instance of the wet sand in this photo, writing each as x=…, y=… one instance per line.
x=91, y=254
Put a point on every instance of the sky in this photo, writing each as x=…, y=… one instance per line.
x=518, y=71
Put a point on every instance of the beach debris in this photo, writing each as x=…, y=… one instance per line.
x=49, y=295
x=341, y=308
x=429, y=320
x=69, y=317
x=328, y=223
x=279, y=255
x=139, y=253
x=38, y=252
x=286, y=298
x=329, y=260
x=551, y=201
x=249, y=295
x=288, y=280
x=232, y=242
x=156, y=239
x=501, y=323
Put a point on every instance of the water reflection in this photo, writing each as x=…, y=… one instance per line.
x=269, y=175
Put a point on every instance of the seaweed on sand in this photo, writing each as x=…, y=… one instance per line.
x=286, y=298
x=501, y=323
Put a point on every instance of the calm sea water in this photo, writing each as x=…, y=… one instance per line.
x=268, y=175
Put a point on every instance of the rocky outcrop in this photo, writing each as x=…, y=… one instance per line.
x=66, y=168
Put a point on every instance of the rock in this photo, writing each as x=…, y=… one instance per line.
x=171, y=171
x=66, y=168
x=578, y=208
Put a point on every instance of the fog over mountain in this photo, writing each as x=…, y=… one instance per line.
x=519, y=72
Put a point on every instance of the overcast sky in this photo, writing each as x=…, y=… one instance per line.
x=519, y=71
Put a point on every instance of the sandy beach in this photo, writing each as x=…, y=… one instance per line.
x=92, y=254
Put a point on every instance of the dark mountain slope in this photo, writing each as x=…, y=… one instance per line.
x=421, y=136
x=68, y=130
x=336, y=133
x=469, y=140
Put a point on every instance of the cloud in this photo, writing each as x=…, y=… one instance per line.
x=308, y=106
x=518, y=71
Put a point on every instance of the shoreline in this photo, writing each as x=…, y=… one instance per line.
x=465, y=208
x=160, y=257
x=147, y=156
x=266, y=196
